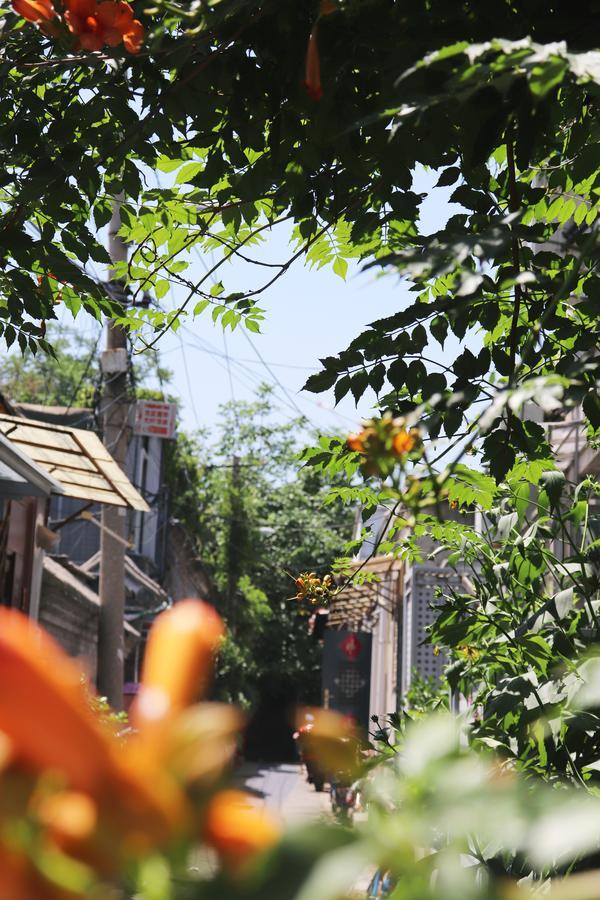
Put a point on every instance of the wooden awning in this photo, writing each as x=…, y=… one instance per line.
x=19, y=475
x=77, y=459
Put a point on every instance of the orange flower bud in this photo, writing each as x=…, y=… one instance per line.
x=178, y=661
x=356, y=442
x=237, y=829
x=327, y=7
x=312, y=78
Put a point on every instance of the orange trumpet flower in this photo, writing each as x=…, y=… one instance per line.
x=104, y=24
x=99, y=801
x=34, y=10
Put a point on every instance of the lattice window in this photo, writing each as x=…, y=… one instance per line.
x=418, y=613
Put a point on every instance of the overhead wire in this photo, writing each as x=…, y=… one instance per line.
x=205, y=347
x=233, y=403
x=273, y=375
x=290, y=400
x=252, y=382
x=245, y=374
x=189, y=382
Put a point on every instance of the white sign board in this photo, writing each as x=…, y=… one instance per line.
x=153, y=418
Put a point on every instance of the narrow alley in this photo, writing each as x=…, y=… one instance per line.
x=282, y=788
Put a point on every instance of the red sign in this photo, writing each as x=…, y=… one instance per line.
x=351, y=647
x=153, y=418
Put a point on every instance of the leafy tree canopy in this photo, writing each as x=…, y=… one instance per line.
x=500, y=99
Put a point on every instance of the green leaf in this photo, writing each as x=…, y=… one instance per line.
x=591, y=408
x=321, y=381
x=448, y=176
x=553, y=483
x=500, y=454
x=564, y=602
x=340, y=267
x=188, y=172
x=439, y=329
x=522, y=495
x=376, y=377
x=546, y=76
x=396, y=374
x=505, y=526
x=341, y=388
x=358, y=384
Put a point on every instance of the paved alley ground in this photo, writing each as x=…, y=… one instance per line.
x=283, y=789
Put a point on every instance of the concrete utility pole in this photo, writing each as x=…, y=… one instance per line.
x=234, y=544
x=115, y=416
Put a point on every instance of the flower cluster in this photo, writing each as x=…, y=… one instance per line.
x=92, y=25
x=314, y=589
x=384, y=442
x=81, y=807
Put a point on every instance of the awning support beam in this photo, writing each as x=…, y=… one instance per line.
x=62, y=522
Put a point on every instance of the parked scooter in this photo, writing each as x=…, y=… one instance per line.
x=314, y=774
x=344, y=788
x=343, y=798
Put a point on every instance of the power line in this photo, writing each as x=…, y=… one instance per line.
x=189, y=383
x=234, y=405
x=205, y=347
x=252, y=386
x=273, y=375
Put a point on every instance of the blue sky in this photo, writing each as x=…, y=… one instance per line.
x=310, y=313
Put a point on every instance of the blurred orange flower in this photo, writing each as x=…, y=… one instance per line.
x=237, y=829
x=101, y=801
x=403, y=442
x=334, y=740
x=356, y=442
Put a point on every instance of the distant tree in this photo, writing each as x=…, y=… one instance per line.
x=67, y=379
x=258, y=519
x=71, y=376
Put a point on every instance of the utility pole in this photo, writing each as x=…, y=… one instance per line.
x=115, y=418
x=235, y=544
